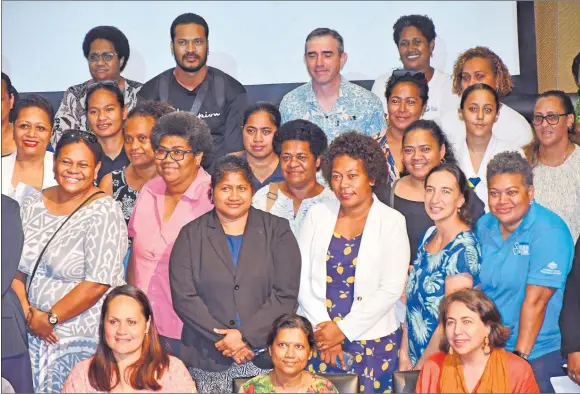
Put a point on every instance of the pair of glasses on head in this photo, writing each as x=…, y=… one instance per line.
x=85, y=135
x=552, y=119
x=175, y=154
x=106, y=56
x=399, y=73
x=107, y=82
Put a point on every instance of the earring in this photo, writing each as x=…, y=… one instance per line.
x=485, y=347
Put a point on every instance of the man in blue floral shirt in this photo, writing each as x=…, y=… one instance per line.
x=328, y=100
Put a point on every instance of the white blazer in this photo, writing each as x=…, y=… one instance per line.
x=381, y=270
x=22, y=190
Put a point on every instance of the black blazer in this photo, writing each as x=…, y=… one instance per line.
x=208, y=291
x=14, y=338
x=570, y=315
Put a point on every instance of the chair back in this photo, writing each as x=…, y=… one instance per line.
x=344, y=382
x=405, y=381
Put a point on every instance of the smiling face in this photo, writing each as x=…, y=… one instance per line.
x=232, y=196
x=32, y=131
x=550, y=135
x=414, y=49
x=290, y=351
x=173, y=171
x=509, y=198
x=421, y=153
x=102, y=70
x=125, y=327
x=105, y=114
x=298, y=163
x=75, y=168
x=323, y=60
x=442, y=196
x=479, y=113
x=350, y=182
x=190, y=47
x=464, y=329
x=258, y=134
x=404, y=105
x=138, y=141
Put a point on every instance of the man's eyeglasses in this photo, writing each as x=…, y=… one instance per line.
x=176, y=154
x=85, y=135
x=552, y=119
x=106, y=56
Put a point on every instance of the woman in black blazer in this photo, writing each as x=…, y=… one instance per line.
x=232, y=271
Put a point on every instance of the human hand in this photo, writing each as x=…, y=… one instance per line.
x=231, y=343
x=574, y=367
x=329, y=356
x=405, y=363
x=243, y=355
x=328, y=334
x=39, y=326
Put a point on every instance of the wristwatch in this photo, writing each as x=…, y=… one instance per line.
x=522, y=355
x=52, y=318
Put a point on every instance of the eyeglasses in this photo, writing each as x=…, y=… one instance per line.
x=176, y=154
x=106, y=56
x=85, y=135
x=411, y=73
x=552, y=119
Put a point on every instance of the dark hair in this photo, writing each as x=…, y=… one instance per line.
x=32, y=100
x=263, y=106
x=461, y=180
x=510, y=163
x=476, y=301
x=360, y=147
x=323, y=32
x=188, y=18
x=75, y=136
x=433, y=128
x=111, y=86
x=291, y=320
x=104, y=372
x=480, y=86
x=187, y=126
x=503, y=78
x=11, y=89
x=532, y=149
x=417, y=79
x=151, y=109
x=230, y=163
x=301, y=130
x=421, y=22
x=576, y=66
x=112, y=34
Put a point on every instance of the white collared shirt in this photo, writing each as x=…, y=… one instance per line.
x=22, y=190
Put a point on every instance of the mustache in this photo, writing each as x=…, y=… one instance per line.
x=188, y=54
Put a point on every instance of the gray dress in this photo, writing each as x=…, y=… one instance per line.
x=90, y=247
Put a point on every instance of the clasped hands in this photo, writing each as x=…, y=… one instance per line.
x=329, y=337
x=232, y=345
x=38, y=325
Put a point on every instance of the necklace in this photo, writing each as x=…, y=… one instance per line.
x=293, y=391
x=567, y=153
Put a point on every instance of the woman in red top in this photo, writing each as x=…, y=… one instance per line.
x=473, y=359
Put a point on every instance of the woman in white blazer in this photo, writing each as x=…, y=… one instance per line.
x=355, y=257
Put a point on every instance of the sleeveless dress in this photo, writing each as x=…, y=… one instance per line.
x=124, y=194
x=374, y=360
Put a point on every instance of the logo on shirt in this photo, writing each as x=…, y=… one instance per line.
x=551, y=269
x=208, y=115
x=521, y=249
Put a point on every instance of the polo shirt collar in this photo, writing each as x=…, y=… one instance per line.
x=525, y=225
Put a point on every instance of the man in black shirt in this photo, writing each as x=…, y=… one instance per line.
x=205, y=91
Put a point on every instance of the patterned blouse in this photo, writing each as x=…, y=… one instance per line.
x=72, y=113
x=263, y=384
x=124, y=194
x=426, y=284
x=394, y=172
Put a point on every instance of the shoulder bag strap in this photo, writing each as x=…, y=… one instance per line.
x=272, y=196
x=164, y=86
x=199, y=97
x=53, y=235
x=392, y=195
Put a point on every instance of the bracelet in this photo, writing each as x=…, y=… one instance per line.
x=522, y=355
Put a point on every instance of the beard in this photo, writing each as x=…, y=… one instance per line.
x=181, y=62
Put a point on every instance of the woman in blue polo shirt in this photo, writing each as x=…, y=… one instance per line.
x=527, y=253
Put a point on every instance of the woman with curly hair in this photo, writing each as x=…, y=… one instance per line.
x=482, y=65
x=354, y=252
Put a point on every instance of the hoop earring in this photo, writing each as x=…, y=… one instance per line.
x=485, y=347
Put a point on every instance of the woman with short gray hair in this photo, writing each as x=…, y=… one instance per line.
x=165, y=204
x=527, y=252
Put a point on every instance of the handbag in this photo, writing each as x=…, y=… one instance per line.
x=53, y=235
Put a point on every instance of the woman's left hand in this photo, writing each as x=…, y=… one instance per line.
x=328, y=334
x=231, y=343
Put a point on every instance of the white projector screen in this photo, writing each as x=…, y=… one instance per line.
x=257, y=42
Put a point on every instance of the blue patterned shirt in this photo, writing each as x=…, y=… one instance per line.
x=356, y=109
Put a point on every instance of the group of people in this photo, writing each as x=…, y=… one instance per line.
x=174, y=237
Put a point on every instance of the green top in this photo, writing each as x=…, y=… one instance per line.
x=263, y=384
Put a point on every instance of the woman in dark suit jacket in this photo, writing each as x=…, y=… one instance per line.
x=232, y=271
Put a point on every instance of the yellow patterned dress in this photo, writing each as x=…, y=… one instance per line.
x=374, y=361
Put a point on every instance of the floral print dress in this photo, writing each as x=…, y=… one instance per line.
x=374, y=361
x=263, y=384
x=426, y=284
